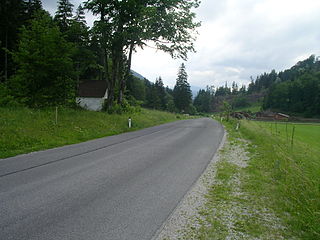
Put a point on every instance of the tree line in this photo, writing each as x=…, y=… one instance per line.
x=44, y=58
x=157, y=96
x=294, y=90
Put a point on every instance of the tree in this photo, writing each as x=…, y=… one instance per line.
x=13, y=14
x=227, y=109
x=161, y=93
x=64, y=15
x=45, y=73
x=125, y=25
x=181, y=93
x=80, y=16
x=203, y=101
x=235, y=89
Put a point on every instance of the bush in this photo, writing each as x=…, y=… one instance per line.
x=6, y=99
x=125, y=107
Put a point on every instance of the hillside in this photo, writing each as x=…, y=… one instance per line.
x=295, y=91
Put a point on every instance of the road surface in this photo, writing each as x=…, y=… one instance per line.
x=118, y=187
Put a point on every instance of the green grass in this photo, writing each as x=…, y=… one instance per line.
x=276, y=196
x=25, y=130
x=288, y=175
x=256, y=107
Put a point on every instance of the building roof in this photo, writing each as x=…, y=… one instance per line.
x=283, y=115
x=96, y=89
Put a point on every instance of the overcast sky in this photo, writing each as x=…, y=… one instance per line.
x=237, y=39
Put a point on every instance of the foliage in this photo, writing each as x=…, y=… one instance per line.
x=64, y=15
x=122, y=108
x=6, y=98
x=125, y=25
x=13, y=14
x=181, y=93
x=302, y=95
x=136, y=88
x=203, y=100
x=45, y=74
x=227, y=109
x=239, y=102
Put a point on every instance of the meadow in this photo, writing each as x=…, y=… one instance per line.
x=285, y=168
x=24, y=130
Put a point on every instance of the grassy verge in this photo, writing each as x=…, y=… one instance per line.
x=25, y=130
x=256, y=107
x=265, y=187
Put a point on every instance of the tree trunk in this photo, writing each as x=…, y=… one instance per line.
x=105, y=59
x=126, y=75
x=115, y=71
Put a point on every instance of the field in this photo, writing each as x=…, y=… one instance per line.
x=267, y=184
x=285, y=168
x=25, y=130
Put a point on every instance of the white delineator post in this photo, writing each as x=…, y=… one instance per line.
x=129, y=122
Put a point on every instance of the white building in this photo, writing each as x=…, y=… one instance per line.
x=92, y=94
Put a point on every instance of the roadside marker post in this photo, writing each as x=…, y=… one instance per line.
x=129, y=122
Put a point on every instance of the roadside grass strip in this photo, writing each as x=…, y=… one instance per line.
x=24, y=130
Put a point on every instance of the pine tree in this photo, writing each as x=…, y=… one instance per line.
x=80, y=16
x=33, y=6
x=161, y=92
x=45, y=74
x=181, y=93
x=64, y=15
x=13, y=14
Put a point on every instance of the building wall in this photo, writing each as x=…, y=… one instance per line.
x=94, y=104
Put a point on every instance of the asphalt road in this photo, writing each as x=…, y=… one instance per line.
x=119, y=187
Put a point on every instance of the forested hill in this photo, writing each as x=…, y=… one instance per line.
x=295, y=90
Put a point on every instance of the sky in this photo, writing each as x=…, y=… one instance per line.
x=237, y=39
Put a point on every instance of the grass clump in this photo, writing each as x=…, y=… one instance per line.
x=24, y=130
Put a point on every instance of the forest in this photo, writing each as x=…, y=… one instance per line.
x=295, y=91
x=44, y=58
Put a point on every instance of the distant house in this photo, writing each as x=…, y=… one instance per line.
x=281, y=117
x=91, y=95
x=271, y=116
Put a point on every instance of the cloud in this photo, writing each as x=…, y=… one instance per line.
x=239, y=39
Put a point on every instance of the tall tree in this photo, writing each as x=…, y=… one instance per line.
x=64, y=15
x=45, y=73
x=13, y=14
x=161, y=92
x=124, y=25
x=80, y=15
x=182, y=92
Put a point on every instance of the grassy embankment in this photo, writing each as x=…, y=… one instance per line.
x=255, y=107
x=25, y=130
x=278, y=192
